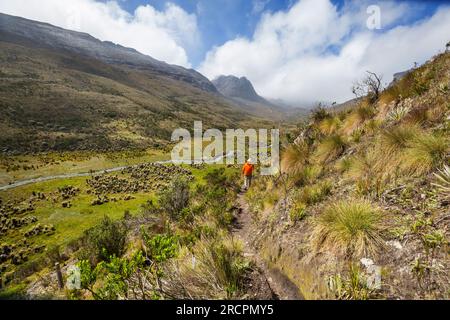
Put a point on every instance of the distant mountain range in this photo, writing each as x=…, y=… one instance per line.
x=66, y=90
x=43, y=35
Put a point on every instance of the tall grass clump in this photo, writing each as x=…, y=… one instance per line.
x=424, y=153
x=295, y=158
x=315, y=193
x=397, y=138
x=344, y=164
x=308, y=175
x=212, y=269
x=329, y=125
x=371, y=171
x=349, y=228
x=357, y=117
x=331, y=148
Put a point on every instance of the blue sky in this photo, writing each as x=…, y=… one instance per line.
x=223, y=20
x=301, y=51
x=218, y=20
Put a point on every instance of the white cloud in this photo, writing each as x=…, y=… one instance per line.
x=289, y=55
x=164, y=35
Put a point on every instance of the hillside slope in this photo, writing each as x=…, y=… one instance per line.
x=361, y=210
x=63, y=90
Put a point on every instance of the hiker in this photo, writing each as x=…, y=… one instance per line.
x=247, y=171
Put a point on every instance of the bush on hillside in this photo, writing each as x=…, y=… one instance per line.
x=104, y=241
x=175, y=198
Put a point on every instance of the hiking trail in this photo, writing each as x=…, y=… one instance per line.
x=280, y=285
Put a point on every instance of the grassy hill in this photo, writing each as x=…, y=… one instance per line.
x=57, y=97
x=364, y=193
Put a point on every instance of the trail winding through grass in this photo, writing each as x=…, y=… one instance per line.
x=280, y=284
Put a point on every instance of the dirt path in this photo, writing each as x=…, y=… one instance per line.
x=279, y=284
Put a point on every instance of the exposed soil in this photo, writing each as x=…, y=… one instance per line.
x=279, y=284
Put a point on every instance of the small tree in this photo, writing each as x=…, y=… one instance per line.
x=319, y=113
x=371, y=86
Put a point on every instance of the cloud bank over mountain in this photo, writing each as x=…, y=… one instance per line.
x=313, y=51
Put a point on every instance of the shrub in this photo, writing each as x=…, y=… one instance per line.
x=103, y=241
x=424, y=153
x=349, y=228
x=161, y=247
x=54, y=255
x=319, y=114
x=175, y=198
x=113, y=280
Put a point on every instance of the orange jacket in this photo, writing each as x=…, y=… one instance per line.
x=247, y=169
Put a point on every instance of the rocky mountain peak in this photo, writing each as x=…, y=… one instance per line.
x=234, y=87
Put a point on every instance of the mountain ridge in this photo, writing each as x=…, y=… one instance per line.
x=50, y=36
x=58, y=94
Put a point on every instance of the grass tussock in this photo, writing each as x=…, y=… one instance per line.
x=316, y=193
x=295, y=157
x=397, y=138
x=329, y=125
x=349, y=228
x=344, y=164
x=372, y=171
x=212, y=269
x=357, y=117
x=331, y=148
x=424, y=153
x=308, y=175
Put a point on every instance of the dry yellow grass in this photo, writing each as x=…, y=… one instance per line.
x=295, y=157
x=330, y=148
x=350, y=228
